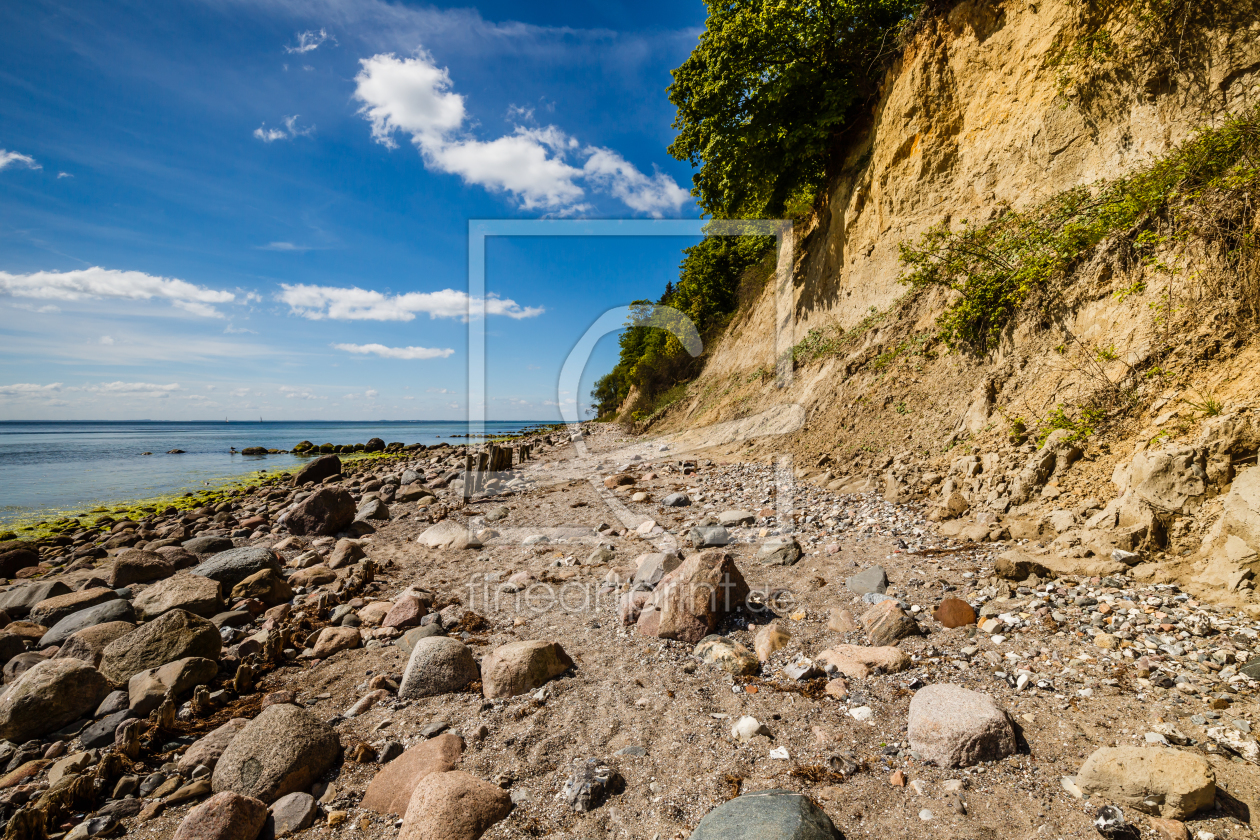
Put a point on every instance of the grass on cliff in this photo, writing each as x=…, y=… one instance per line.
x=1205, y=191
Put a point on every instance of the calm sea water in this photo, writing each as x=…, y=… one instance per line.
x=73, y=467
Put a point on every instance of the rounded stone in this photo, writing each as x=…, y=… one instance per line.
x=283, y=750
x=438, y=665
x=957, y=727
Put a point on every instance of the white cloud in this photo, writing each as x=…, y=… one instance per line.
x=8, y=159
x=440, y=391
x=370, y=393
x=283, y=246
x=292, y=393
x=290, y=130
x=148, y=389
x=654, y=196
x=107, y=340
x=309, y=41
x=413, y=96
x=240, y=392
x=396, y=352
x=61, y=175
x=27, y=390
x=105, y=283
x=355, y=304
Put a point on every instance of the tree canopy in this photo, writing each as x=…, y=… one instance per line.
x=764, y=97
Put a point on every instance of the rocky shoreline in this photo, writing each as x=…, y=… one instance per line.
x=404, y=648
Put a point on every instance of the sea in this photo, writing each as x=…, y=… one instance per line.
x=54, y=468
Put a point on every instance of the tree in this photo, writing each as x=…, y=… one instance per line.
x=764, y=98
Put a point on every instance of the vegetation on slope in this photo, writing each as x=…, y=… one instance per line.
x=763, y=103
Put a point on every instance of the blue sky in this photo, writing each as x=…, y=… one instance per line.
x=233, y=209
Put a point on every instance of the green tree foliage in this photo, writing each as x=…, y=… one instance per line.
x=764, y=98
x=763, y=102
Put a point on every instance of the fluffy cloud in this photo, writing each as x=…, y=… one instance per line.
x=104, y=283
x=396, y=352
x=355, y=304
x=309, y=41
x=413, y=96
x=8, y=159
x=24, y=389
x=291, y=129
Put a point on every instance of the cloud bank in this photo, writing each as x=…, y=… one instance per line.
x=354, y=304
x=396, y=352
x=110, y=284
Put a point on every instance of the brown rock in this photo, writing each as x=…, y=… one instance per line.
x=266, y=586
x=47, y=697
x=334, y=640
x=24, y=773
x=276, y=698
x=207, y=749
x=518, y=667
x=841, y=620
x=957, y=727
x=690, y=601
x=1170, y=783
x=1169, y=829
x=177, y=556
x=314, y=576
x=283, y=750
x=885, y=623
x=770, y=639
x=89, y=643
x=345, y=553
x=224, y=816
x=857, y=662
x=391, y=790
x=954, y=612
x=174, y=635
x=193, y=593
x=837, y=688
x=406, y=612
x=26, y=630
x=323, y=513
x=136, y=566
x=897, y=779
x=453, y=806
x=619, y=480
x=54, y=609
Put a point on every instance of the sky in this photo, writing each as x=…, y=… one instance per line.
x=227, y=209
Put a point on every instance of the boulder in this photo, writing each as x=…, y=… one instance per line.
x=323, y=513
x=437, y=665
x=52, y=610
x=728, y=655
x=267, y=586
x=391, y=789
x=651, y=568
x=1173, y=479
x=13, y=560
x=146, y=690
x=224, y=816
x=1168, y=783
x=453, y=806
x=957, y=727
x=736, y=518
x=767, y=815
x=174, y=635
x=886, y=623
x=103, y=732
x=333, y=640
x=137, y=566
x=406, y=611
x=954, y=612
x=858, y=662
x=20, y=664
x=313, y=576
x=283, y=750
x=448, y=534
x=50, y=695
x=868, y=581
x=110, y=611
x=692, y=599
x=372, y=509
x=207, y=749
x=207, y=545
x=345, y=553
x=17, y=602
x=519, y=667
x=233, y=566
x=291, y=814
x=769, y=639
x=192, y=593
x=11, y=645
x=780, y=551
x=316, y=471
x=709, y=536
x=178, y=556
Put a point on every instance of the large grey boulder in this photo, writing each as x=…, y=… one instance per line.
x=193, y=593
x=89, y=643
x=116, y=610
x=175, y=635
x=283, y=750
x=207, y=545
x=324, y=513
x=233, y=566
x=780, y=551
x=957, y=727
x=438, y=665
x=48, y=696
x=767, y=815
x=48, y=612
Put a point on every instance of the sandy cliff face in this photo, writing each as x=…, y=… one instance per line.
x=982, y=111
